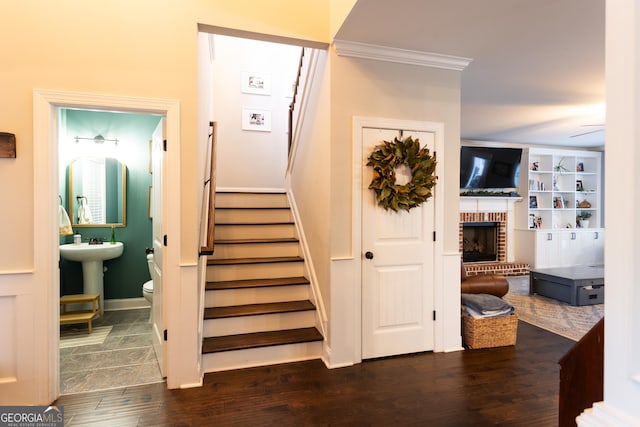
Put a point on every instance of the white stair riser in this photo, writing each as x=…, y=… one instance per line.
x=217, y=273
x=251, y=200
x=265, y=231
x=263, y=323
x=241, y=216
x=227, y=360
x=229, y=297
x=255, y=250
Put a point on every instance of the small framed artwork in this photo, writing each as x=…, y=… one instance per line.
x=533, y=202
x=580, y=167
x=579, y=186
x=256, y=83
x=7, y=145
x=256, y=119
x=558, y=203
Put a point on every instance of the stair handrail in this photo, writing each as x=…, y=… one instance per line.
x=305, y=86
x=208, y=194
x=292, y=106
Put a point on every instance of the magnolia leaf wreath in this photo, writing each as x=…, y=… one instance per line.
x=388, y=156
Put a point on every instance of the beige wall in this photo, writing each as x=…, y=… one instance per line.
x=142, y=48
x=386, y=90
x=310, y=177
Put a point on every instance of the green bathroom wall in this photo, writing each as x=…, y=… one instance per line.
x=114, y=182
x=125, y=275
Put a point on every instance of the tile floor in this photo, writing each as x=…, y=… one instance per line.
x=125, y=358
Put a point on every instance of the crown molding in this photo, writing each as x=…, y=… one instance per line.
x=400, y=56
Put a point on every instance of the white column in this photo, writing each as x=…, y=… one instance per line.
x=622, y=207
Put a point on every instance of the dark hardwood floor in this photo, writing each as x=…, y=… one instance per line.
x=507, y=386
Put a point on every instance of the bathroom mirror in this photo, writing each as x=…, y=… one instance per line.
x=97, y=192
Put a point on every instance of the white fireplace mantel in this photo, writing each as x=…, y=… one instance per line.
x=487, y=204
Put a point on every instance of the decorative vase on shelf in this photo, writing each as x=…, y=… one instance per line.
x=584, y=223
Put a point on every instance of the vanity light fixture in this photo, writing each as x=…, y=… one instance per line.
x=98, y=139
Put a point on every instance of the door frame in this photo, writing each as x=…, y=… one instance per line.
x=46, y=104
x=357, y=208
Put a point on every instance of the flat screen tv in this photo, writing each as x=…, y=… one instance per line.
x=489, y=167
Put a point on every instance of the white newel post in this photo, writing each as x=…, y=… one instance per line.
x=622, y=202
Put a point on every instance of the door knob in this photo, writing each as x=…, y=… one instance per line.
x=368, y=255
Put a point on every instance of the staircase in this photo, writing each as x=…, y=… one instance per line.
x=258, y=308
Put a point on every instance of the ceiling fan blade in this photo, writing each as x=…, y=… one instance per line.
x=586, y=133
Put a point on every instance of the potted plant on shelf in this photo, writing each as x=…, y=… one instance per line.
x=560, y=167
x=583, y=219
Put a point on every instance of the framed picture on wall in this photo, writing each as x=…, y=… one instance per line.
x=256, y=119
x=256, y=83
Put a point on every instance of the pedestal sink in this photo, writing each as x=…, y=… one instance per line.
x=91, y=256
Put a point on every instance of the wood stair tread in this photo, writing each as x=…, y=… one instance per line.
x=252, y=208
x=242, y=241
x=257, y=309
x=264, y=260
x=260, y=339
x=255, y=223
x=252, y=192
x=256, y=283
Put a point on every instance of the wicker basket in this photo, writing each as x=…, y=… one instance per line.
x=489, y=332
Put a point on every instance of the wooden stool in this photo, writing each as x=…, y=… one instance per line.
x=80, y=316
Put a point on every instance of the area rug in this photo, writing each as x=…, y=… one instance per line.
x=550, y=314
x=79, y=337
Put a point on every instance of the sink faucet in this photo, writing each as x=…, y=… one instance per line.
x=95, y=241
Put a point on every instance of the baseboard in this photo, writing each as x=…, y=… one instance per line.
x=125, y=304
x=192, y=385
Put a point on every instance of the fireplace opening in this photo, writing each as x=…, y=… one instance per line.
x=479, y=241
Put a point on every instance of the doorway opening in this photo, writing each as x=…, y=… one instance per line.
x=103, y=203
x=47, y=200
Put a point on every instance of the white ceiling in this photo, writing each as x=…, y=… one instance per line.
x=537, y=70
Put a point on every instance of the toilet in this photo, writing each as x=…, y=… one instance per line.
x=147, y=287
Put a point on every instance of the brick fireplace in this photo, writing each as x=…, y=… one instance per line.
x=486, y=211
x=499, y=218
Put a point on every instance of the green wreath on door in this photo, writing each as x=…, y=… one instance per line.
x=386, y=157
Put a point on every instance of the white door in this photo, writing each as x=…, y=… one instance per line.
x=397, y=265
x=157, y=161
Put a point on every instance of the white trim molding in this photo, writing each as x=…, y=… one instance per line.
x=318, y=301
x=45, y=277
x=446, y=295
x=400, y=56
